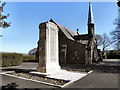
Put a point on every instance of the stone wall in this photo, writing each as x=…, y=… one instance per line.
x=70, y=52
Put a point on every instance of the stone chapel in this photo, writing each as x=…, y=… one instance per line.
x=74, y=48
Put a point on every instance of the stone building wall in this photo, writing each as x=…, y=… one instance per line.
x=70, y=52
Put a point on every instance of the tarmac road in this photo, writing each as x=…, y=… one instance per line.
x=23, y=83
x=97, y=80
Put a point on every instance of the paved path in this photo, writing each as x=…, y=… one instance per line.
x=29, y=65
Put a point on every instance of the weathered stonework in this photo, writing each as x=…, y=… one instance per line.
x=73, y=53
x=48, y=48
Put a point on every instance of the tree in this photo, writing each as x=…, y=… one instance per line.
x=115, y=35
x=118, y=3
x=105, y=42
x=98, y=39
x=3, y=23
x=32, y=51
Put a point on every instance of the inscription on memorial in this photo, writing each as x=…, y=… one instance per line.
x=52, y=45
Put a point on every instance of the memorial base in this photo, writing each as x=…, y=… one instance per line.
x=50, y=68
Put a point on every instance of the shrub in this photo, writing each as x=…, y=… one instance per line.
x=29, y=58
x=11, y=59
x=15, y=59
x=114, y=55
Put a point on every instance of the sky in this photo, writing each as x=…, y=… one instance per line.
x=25, y=17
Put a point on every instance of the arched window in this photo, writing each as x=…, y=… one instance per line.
x=76, y=53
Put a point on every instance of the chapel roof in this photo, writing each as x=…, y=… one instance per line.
x=84, y=38
x=72, y=35
x=67, y=32
x=81, y=37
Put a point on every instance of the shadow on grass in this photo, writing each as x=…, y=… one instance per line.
x=106, y=67
x=18, y=70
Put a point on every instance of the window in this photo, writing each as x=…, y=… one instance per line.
x=75, y=53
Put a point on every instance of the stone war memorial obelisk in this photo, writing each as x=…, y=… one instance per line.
x=48, y=48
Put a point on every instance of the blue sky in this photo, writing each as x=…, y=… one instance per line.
x=25, y=18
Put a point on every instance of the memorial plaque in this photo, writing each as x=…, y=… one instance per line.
x=52, y=46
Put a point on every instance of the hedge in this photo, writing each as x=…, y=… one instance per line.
x=11, y=59
x=15, y=59
x=29, y=58
x=113, y=55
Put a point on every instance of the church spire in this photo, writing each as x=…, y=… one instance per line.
x=90, y=15
x=90, y=21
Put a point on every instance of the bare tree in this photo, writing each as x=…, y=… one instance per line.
x=98, y=38
x=105, y=42
x=32, y=51
x=118, y=3
x=115, y=35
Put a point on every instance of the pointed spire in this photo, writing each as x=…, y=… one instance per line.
x=90, y=15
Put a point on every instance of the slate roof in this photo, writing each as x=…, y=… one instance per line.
x=81, y=37
x=68, y=33
x=73, y=35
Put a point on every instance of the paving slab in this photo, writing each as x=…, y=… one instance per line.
x=67, y=75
